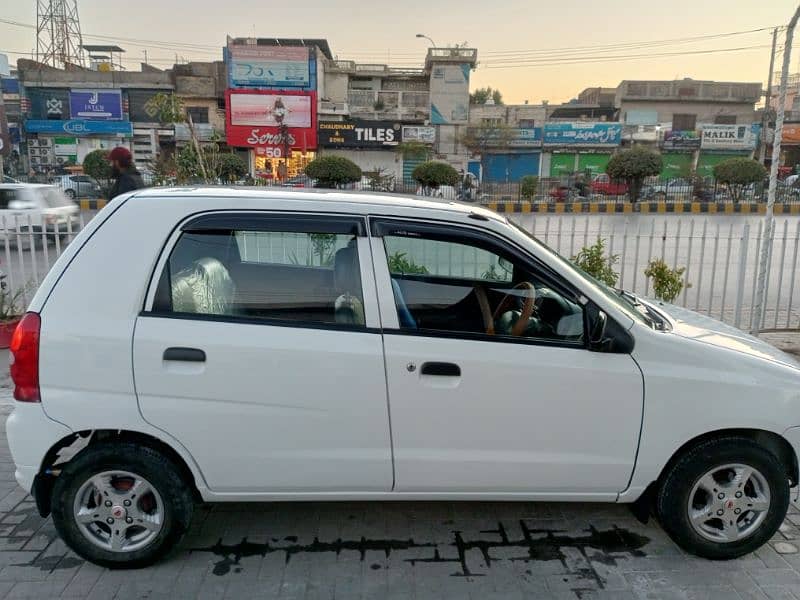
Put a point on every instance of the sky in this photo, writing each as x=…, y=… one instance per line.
x=530, y=50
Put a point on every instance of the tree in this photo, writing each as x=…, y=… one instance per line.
x=169, y=109
x=434, y=173
x=230, y=167
x=96, y=165
x=528, y=187
x=333, y=171
x=632, y=166
x=482, y=95
x=485, y=137
x=736, y=173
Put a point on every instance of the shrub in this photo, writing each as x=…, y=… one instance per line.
x=592, y=260
x=736, y=173
x=632, y=166
x=333, y=171
x=528, y=186
x=398, y=263
x=433, y=174
x=667, y=283
x=231, y=167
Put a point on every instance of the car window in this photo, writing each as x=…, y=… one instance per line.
x=7, y=196
x=54, y=198
x=304, y=277
x=457, y=286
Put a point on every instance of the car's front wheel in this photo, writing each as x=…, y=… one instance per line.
x=724, y=498
x=121, y=505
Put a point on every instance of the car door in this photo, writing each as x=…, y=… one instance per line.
x=492, y=388
x=259, y=351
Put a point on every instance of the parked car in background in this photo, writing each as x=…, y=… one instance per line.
x=300, y=181
x=680, y=189
x=602, y=184
x=37, y=207
x=7, y=179
x=78, y=186
x=292, y=345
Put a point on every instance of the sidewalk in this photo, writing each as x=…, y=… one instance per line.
x=788, y=341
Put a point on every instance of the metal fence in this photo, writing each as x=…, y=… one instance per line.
x=720, y=255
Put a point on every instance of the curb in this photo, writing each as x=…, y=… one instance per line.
x=92, y=203
x=709, y=208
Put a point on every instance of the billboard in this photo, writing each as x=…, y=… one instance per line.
x=359, y=134
x=582, y=134
x=675, y=139
x=98, y=105
x=526, y=137
x=253, y=119
x=730, y=137
x=269, y=66
x=419, y=133
x=80, y=127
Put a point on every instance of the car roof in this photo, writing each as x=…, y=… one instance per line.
x=17, y=186
x=348, y=201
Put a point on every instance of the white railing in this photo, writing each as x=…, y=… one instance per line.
x=720, y=254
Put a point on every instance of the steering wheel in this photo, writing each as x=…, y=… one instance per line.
x=528, y=306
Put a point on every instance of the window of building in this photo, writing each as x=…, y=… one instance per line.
x=302, y=276
x=684, y=122
x=527, y=123
x=457, y=286
x=199, y=114
x=725, y=120
x=492, y=121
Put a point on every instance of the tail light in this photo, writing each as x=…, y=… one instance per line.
x=25, y=352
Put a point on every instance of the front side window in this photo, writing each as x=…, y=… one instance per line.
x=296, y=276
x=457, y=286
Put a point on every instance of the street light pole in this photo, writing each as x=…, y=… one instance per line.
x=423, y=36
x=762, y=150
x=769, y=219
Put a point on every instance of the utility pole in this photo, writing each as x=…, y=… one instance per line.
x=762, y=151
x=769, y=219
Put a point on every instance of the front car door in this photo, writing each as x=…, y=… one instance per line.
x=259, y=350
x=492, y=387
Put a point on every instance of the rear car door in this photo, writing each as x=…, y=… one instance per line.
x=259, y=349
x=491, y=384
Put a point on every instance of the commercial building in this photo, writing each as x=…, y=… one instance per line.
x=697, y=124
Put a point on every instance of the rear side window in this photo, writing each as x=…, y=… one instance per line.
x=301, y=273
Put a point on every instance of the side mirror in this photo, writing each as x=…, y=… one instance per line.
x=597, y=336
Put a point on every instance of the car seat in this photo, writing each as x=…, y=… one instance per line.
x=205, y=287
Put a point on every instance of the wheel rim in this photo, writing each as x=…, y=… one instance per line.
x=118, y=511
x=729, y=503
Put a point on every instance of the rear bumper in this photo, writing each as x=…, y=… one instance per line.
x=31, y=434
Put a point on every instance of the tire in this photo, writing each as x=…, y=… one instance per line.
x=70, y=194
x=723, y=457
x=170, y=503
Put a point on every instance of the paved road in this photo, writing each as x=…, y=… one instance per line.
x=395, y=550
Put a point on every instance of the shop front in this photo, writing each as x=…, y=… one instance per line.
x=679, y=150
x=580, y=147
x=721, y=142
x=278, y=129
x=62, y=143
x=372, y=145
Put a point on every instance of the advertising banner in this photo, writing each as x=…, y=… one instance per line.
x=359, y=134
x=45, y=103
x=98, y=105
x=582, y=134
x=5, y=136
x=526, y=137
x=730, y=137
x=676, y=139
x=269, y=66
x=419, y=133
x=791, y=134
x=254, y=118
x=80, y=127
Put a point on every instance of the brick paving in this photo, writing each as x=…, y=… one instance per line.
x=395, y=550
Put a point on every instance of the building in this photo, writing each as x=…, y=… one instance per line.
x=66, y=114
x=10, y=123
x=367, y=110
x=598, y=96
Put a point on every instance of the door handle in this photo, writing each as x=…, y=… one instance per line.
x=441, y=369
x=185, y=354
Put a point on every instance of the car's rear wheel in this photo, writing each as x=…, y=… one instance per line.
x=724, y=498
x=121, y=505
x=70, y=194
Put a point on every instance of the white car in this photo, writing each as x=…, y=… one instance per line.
x=36, y=207
x=277, y=345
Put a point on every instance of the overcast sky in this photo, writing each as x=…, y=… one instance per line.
x=564, y=38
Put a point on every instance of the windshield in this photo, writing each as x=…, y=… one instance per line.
x=627, y=303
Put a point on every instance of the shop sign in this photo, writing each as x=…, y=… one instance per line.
x=359, y=134
x=526, y=137
x=65, y=146
x=256, y=118
x=102, y=105
x=418, y=133
x=269, y=66
x=731, y=137
x=681, y=140
x=791, y=134
x=582, y=134
x=80, y=127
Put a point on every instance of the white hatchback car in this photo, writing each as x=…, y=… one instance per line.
x=38, y=208
x=231, y=345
